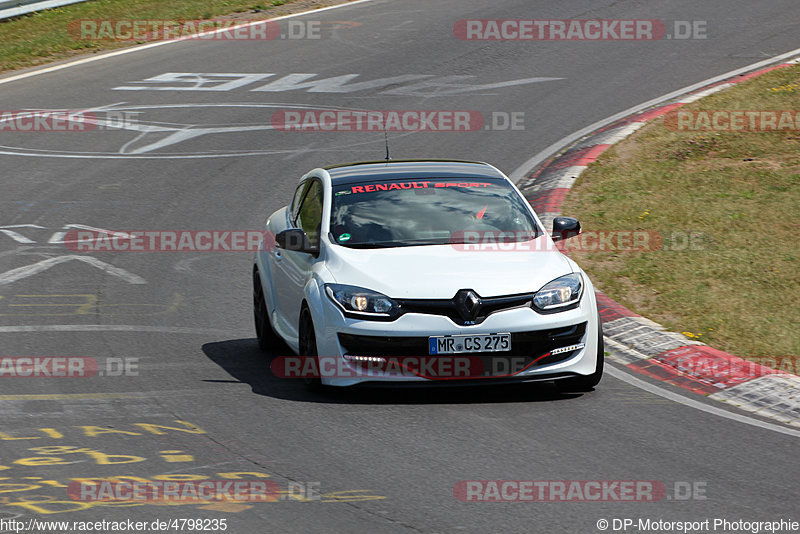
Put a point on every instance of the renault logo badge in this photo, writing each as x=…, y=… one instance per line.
x=468, y=304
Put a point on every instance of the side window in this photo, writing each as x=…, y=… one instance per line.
x=309, y=216
x=298, y=197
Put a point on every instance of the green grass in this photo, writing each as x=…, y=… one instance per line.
x=43, y=37
x=736, y=194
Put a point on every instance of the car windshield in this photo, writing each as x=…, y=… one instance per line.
x=431, y=211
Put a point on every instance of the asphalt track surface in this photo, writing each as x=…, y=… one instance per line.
x=385, y=461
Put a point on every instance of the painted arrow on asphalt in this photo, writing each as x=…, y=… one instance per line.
x=29, y=270
x=16, y=236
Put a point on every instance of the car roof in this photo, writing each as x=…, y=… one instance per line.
x=367, y=171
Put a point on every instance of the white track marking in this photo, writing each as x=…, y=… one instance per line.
x=199, y=80
x=516, y=176
x=16, y=236
x=655, y=390
x=58, y=237
x=523, y=169
x=526, y=167
x=702, y=94
x=119, y=328
x=181, y=132
x=29, y=270
x=622, y=133
x=92, y=59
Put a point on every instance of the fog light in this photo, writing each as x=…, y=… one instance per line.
x=364, y=359
x=568, y=349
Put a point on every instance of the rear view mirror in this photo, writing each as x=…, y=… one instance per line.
x=294, y=239
x=565, y=227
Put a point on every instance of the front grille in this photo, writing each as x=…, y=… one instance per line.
x=449, y=309
x=528, y=349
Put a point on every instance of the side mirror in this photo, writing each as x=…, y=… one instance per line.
x=294, y=239
x=565, y=227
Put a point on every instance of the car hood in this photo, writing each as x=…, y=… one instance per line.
x=439, y=271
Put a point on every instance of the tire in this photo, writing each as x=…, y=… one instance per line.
x=267, y=339
x=588, y=382
x=308, y=346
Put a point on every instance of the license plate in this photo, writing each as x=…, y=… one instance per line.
x=473, y=343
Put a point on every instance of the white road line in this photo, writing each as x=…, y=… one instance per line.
x=526, y=167
x=29, y=270
x=652, y=388
x=515, y=176
x=58, y=237
x=622, y=133
x=162, y=43
x=97, y=396
x=702, y=94
x=520, y=172
x=16, y=236
x=120, y=328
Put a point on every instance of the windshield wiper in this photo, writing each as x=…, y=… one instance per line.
x=392, y=244
x=376, y=244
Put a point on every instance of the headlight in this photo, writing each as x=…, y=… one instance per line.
x=360, y=301
x=559, y=293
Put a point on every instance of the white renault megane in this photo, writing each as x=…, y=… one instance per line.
x=374, y=264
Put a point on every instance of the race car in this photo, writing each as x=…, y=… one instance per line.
x=420, y=272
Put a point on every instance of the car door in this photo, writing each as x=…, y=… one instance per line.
x=292, y=268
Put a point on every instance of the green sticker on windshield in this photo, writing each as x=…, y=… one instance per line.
x=344, y=237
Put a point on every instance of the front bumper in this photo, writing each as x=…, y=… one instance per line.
x=533, y=338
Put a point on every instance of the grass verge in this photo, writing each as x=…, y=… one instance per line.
x=43, y=37
x=735, y=194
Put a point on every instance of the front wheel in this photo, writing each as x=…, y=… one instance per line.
x=588, y=382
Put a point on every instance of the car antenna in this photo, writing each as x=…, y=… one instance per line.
x=386, y=140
